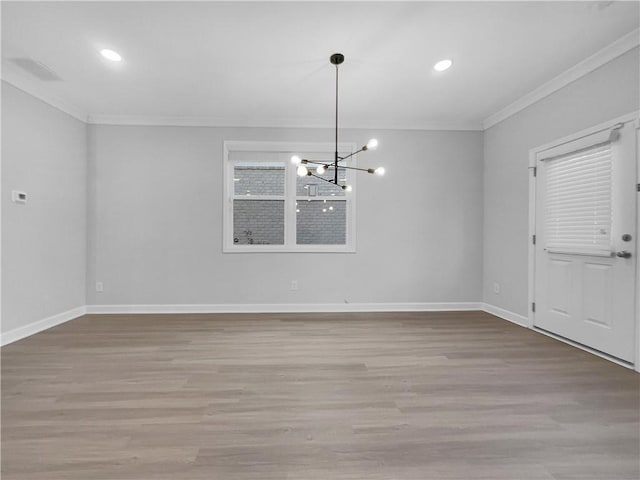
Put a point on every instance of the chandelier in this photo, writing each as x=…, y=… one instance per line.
x=322, y=166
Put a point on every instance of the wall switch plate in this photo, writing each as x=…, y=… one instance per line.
x=99, y=287
x=496, y=288
x=18, y=197
x=294, y=285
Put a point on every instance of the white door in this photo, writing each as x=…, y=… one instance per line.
x=585, y=241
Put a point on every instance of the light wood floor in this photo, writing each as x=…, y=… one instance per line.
x=393, y=396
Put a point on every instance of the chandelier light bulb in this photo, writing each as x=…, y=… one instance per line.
x=379, y=171
x=372, y=144
x=296, y=160
x=302, y=171
x=347, y=188
x=321, y=169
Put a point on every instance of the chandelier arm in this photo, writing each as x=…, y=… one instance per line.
x=350, y=155
x=322, y=178
x=356, y=168
x=326, y=163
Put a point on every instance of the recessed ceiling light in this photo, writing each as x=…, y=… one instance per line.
x=110, y=55
x=442, y=65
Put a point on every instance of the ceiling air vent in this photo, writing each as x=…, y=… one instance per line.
x=37, y=69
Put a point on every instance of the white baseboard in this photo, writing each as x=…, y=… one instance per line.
x=285, y=308
x=524, y=322
x=35, y=327
x=40, y=325
x=506, y=314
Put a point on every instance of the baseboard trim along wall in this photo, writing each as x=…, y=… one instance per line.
x=505, y=314
x=49, y=322
x=40, y=325
x=287, y=308
x=524, y=322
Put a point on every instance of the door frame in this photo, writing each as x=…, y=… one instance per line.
x=533, y=153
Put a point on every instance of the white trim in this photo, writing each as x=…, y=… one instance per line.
x=506, y=315
x=289, y=249
x=286, y=308
x=610, y=52
x=522, y=321
x=637, y=352
x=588, y=65
x=208, y=121
x=531, y=248
x=583, y=347
x=40, y=325
x=533, y=160
x=1, y=196
x=608, y=125
x=35, y=89
x=290, y=197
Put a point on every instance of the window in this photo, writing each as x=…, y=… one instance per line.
x=578, y=202
x=268, y=208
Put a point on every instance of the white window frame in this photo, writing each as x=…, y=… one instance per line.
x=324, y=152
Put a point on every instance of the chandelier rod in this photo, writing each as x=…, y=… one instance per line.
x=336, y=150
x=335, y=59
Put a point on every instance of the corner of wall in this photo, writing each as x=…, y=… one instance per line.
x=90, y=236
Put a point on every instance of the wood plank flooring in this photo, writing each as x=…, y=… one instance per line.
x=384, y=396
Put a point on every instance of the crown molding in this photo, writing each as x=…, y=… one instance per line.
x=205, y=121
x=598, y=59
x=39, y=90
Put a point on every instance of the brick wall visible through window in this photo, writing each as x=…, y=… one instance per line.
x=320, y=223
x=258, y=222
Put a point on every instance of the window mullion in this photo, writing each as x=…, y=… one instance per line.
x=259, y=197
x=290, y=206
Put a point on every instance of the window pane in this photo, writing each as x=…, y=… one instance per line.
x=258, y=222
x=314, y=187
x=258, y=178
x=321, y=223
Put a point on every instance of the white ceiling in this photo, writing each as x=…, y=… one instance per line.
x=267, y=63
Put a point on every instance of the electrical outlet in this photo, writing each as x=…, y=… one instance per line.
x=496, y=288
x=294, y=284
x=18, y=197
x=99, y=287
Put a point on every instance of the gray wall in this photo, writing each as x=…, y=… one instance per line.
x=608, y=92
x=155, y=210
x=156, y=217
x=44, y=241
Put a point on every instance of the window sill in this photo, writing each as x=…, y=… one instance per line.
x=289, y=249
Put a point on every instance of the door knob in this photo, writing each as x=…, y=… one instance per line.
x=623, y=254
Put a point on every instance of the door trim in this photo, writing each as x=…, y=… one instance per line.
x=533, y=153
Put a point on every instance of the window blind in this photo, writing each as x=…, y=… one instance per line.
x=578, y=202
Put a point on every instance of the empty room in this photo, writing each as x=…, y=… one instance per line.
x=296, y=240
